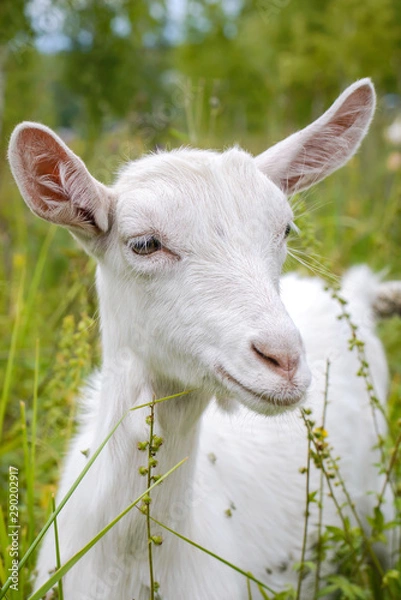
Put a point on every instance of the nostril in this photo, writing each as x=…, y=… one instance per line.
x=274, y=362
x=284, y=364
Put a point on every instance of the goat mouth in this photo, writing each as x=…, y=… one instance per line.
x=275, y=400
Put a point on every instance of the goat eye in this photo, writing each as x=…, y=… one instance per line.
x=287, y=230
x=145, y=245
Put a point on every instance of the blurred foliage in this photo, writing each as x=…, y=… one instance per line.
x=270, y=52
x=119, y=72
x=15, y=33
x=258, y=62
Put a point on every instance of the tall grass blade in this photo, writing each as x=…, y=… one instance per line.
x=28, y=473
x=213, y=555
x=31, y=470
x=11, y=355
x=4, y=564
x=306, y=523
x=36, y=277
x=74, y=559
x=58, y=561
x=68, y=495
x=248, y=588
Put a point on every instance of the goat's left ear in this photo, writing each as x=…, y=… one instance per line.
x=308, y=156
x=56, y=184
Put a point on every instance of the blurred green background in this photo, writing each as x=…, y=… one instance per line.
x=119, y=78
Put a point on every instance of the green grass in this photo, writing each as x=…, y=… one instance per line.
x=49, y=344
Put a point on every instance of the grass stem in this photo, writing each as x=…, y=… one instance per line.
x=149, y=482
x=58, y=560
x=321, y=487
x=306, y=521
x=246, y=574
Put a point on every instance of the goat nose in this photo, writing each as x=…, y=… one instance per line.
x=283, y=363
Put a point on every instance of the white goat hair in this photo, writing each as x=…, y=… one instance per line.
x=190, y=246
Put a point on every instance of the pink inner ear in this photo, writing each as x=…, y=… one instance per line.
x=41, y=157
x=326, y=146
x=352, y=110
x=55, y=182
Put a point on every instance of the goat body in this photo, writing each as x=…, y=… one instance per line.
x=190, y=246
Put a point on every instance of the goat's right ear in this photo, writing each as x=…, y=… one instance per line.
x=56, y=184
x=308, y=156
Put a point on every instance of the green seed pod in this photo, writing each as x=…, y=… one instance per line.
x=157, y=441
x=157, y=539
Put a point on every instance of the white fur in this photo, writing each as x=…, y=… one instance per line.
x=186, y=318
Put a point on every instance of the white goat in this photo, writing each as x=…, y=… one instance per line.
x=190, y=246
